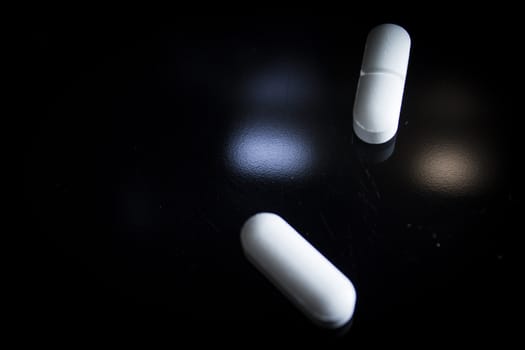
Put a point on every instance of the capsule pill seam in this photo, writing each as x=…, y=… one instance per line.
x=381, y=84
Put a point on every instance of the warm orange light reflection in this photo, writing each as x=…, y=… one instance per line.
x=450, y=168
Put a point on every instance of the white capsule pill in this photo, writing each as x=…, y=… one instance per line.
x=381, y=83
x=299, y=270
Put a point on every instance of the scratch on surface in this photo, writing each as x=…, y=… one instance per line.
x=211, y=224
x=325, y=223
x=367, y=172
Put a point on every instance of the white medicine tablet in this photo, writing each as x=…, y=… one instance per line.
x=381, y=83
x=299, y=270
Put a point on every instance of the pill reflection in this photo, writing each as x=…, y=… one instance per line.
x=374, y=154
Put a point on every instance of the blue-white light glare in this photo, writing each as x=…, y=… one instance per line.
x=269, y=152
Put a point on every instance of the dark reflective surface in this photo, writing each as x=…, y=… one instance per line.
x=373, y=154
x=151, y=147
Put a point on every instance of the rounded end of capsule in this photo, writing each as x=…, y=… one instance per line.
x=253, y=228
x=340, y=309
x=374, y=137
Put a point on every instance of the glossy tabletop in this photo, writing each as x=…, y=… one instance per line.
x=149, y=146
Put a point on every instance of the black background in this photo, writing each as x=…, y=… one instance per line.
x=135, y=198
